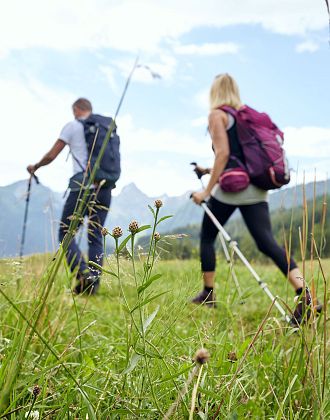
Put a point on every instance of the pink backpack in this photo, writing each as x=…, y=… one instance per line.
x=262, y=144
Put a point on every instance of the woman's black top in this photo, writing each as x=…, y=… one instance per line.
x=235, y=148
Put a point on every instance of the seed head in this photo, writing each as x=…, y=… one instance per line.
x=232, y=356
x=133, y=227
x=201, y=356
x=117, y=232
x=36, y=390
x=157, y=236
x=158, y=204
x=104, y=231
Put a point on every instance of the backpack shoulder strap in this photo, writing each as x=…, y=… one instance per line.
x=229, y=110
x=78, y=162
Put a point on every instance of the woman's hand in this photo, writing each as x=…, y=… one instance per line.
x=200, y=171
x=31, y=169
x=199, y=197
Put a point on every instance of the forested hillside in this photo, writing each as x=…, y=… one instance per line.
x=292, y=228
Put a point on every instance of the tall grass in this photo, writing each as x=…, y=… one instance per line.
x=128, y=352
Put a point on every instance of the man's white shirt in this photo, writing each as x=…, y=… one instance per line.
x=73, y=135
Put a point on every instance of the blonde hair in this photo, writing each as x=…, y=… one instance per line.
x=224, y=91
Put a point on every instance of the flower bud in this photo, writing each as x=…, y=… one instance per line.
x=133, y=227
x=104, y=231
x=36, y=390
x=158, y=204
x=117, y=232
x=202, y=356
x=232, y=356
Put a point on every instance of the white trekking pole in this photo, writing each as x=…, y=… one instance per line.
x=228, y=257
x=234, y=247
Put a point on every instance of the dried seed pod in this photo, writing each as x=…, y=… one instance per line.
x=201, y=356
x=117, y=232
x=158, y=204
x=232, y=356
x=104, y=231
x=36, y=390
x=133, y=227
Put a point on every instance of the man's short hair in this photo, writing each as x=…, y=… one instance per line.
x=83, y=104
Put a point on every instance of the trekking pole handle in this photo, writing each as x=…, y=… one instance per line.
x=202, y=202
x=197, y=171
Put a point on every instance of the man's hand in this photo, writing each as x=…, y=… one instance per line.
x=199, y=197
x=49, y=157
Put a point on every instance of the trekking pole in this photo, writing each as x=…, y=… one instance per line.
x=27, y=201
x=228, y=258
x=234, y=247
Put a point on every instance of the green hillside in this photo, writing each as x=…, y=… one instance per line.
x=288, y=226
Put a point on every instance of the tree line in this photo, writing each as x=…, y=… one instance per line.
x=300, y=230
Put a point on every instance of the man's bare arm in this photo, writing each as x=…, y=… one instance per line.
x=49, y=156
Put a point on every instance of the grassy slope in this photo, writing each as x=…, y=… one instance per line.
x=280, y=377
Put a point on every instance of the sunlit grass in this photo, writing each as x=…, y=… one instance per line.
x=281, y=374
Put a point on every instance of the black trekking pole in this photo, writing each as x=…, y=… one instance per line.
x=228, y=257
x=235, y=249
x=27, y=201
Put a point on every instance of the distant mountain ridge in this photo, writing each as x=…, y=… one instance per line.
x=131, y=203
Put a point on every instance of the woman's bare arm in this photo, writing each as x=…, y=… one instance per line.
x=217, y=127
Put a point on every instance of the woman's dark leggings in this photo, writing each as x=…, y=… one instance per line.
x=257, y=219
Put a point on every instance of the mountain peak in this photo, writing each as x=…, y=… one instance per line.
x=131, y=188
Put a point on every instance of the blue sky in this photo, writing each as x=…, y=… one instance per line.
x=278, y=52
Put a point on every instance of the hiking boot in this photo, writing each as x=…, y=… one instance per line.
x=303, y=309
x=87, y=284
x=205, y=297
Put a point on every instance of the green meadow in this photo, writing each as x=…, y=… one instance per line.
x=129, y=352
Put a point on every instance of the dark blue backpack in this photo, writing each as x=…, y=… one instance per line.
x=95, y=129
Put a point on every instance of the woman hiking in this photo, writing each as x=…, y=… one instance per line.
x=251, y=201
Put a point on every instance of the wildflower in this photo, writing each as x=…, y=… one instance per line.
x=157, y=236
x=117, y=232
x=104, y=231
x=36, y=390
x=201, y=356
x=232, y=357
x=244, y=399
x=34, y=415
x=133, y=227
x=158, y=204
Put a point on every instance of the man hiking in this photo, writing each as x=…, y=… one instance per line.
x=84, y=136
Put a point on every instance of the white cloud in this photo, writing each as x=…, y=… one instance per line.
x=158, y=161
x=201, y=99
x=207, y=49
x=109, y=74
x=307, y=142
x=33, y=115
x=199, y=122
x=304, y=173
x=307, y=46
x=139, y=140
x=131, y=25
